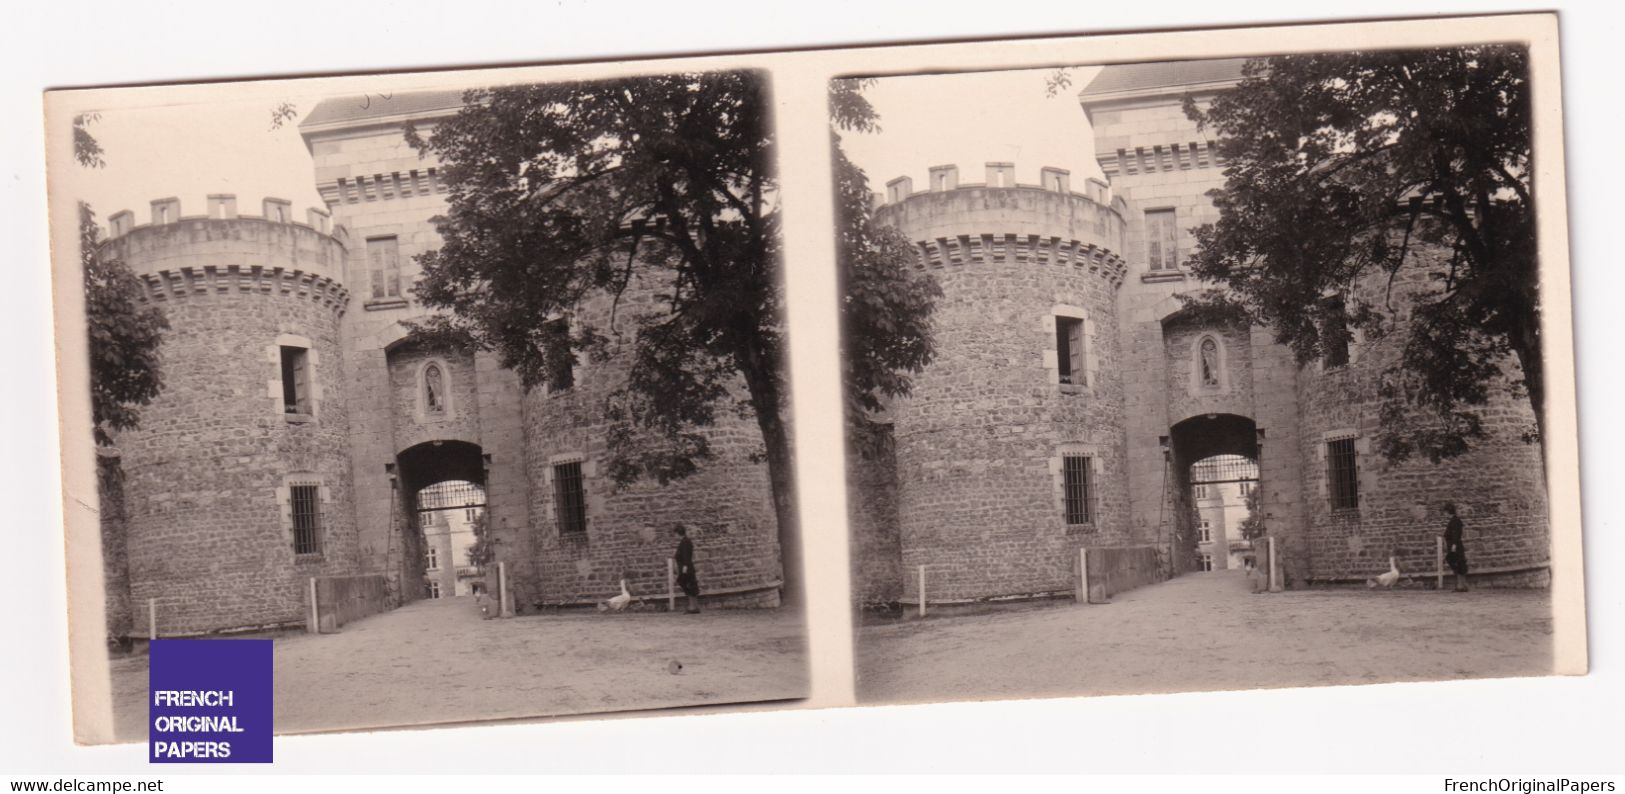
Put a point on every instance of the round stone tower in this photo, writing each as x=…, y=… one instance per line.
x=1010, y=452
x=237, y=482
x=591, y=531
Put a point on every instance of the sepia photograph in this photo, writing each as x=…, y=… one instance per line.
x=472, y=398
x=1198, y=374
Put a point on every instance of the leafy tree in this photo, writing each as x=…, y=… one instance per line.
x=1252, y=527
x=1349, y=167
x=561, y=191
x=886, y=303
x=124, y=336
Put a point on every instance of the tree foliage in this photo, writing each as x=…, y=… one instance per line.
x=886, y=303
x=1344, y=169
x=124, y=336
x=562, y=192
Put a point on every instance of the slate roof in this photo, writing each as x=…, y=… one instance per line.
x=1121, y=77
x=361, y=108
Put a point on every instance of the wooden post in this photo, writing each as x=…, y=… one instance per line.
x=1083, y=576
x=504, y=598
x=671, y=584
x=1438, y=563
x=1275, y=568
x=152, y=619
x=922, y=591
x=314, y=620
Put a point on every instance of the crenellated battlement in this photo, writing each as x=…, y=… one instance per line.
x=226, y=241
x=190, y=283
x=1000, y=175
x=1001, y=221
x=223, y=206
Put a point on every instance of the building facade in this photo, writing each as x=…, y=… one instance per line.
x=302, y=429
x=1074, y=401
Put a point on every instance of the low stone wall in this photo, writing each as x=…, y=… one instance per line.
x=1118, y=569
x=346, y=599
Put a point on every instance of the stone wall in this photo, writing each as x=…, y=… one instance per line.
x=980, y=443
x=207, y=473
x=872, y=520
x=1498, y=487
x=725, y=505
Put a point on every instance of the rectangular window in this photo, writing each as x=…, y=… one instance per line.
x=1245, y=488
x=434, y=589
x=1161, y=240
x=306, y=509
x=1079, y=496
x=295, y=380
x=559, y=359
x=569, y=498
x=1207, y=562
x=1342, y=474
x=433, y=558
x=384, y=265
x=1205, y=532
x=1334, y=333
x=1199, y=491
x=1069, y=349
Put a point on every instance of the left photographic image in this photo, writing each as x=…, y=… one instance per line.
x=471, y=397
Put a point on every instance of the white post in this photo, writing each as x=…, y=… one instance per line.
x=922, y=591
x=671, y=584
x=1083, y=575
x=1438, y=563
x=504, y=604
x=1275, y=568
x=152, y=619
x=315, y=626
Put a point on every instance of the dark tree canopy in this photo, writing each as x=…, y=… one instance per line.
x=886, y=303
x=124, y=337
x=1341, y=168
x=563, y=191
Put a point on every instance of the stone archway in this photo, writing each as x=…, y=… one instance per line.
x=436, y=480
x=1209, y=450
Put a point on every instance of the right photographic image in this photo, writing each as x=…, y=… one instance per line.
x=1196, y=375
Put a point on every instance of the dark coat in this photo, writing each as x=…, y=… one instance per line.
x=686, y=577
x=1455, y=549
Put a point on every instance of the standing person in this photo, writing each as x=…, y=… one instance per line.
x=1455, y=550
x=686, y=577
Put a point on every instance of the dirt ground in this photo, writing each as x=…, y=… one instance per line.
x=438, y=661
x=1206, y=631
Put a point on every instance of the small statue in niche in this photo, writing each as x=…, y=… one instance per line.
x=432, y=387
x=1210, y=362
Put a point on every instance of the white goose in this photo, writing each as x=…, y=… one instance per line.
x=1388, y=579
x=619, y=602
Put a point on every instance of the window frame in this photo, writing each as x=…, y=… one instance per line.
x=1078, y=493
x=570, y=498
x=384, y=279
x=1343, y=474
x=1162, y=232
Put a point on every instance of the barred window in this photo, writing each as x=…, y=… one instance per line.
x=569, y=498
x=1079, y=493
x=306, y=506
x=1342, y=474
x=1069, y=349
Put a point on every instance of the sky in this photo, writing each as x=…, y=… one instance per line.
x=190, y=151
x=970, y=119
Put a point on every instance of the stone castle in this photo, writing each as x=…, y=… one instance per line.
x=302, y=433
x=1073, y=396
